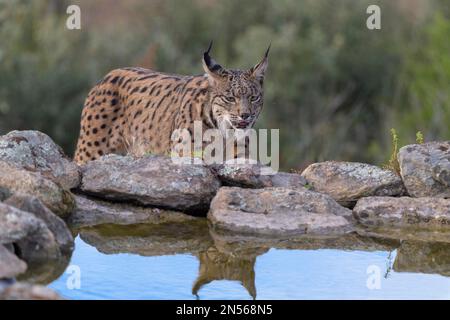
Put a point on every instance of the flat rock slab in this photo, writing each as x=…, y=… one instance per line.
x=14, y=180
x=425, y=169
x=278, y=212
x=346, y=182
x=10, y=265
x=257, y=176
x=403, y=212
x=36, y=151
x=91, y=212
x=151, y=180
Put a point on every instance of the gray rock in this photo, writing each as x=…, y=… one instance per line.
x=30, y=235
x=403, y=212
x=346, y=182
x=151, y=180
x=91, y=212
x=288, y=180
x=257, y=176
x=35, y=151
x=25, y=291
x=15, y=180
x=278, y=212
x=425, y=169
x=10, y=265
x=56, y=225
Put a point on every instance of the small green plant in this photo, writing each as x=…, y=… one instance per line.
x=419, y=137
x=393, y=163
x=393, y=160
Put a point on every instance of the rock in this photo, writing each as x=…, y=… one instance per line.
x=151, y=180
x=30, y=235
x=257, y=176
x=425, y=169
x=35, y=151
x=441, y=171
x=56, y=225
x=278, y=212
x=24, y=291
x=288, y=180
x=150, y=239
x=346, y=182
x=10, y=265
x=403, y=212
x=17, y=180
x=91, y=212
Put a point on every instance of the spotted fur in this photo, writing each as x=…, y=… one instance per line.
x=135, y=110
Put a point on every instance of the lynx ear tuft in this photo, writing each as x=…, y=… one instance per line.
x=259, y=70
x=211, y=67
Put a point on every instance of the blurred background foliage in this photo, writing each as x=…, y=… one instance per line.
x=333, y=88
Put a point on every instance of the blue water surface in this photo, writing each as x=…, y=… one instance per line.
x=279, y=274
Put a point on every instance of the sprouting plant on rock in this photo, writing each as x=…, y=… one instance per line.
x=419, y=137
x=393, y=160
x=393, y=163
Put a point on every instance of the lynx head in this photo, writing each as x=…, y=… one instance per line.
x=236, y=95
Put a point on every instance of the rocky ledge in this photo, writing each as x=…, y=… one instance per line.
x=278, y=212
x=42, y=192
x=152, y=181
x=347, y=182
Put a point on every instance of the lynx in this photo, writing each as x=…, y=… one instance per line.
x=136, y=110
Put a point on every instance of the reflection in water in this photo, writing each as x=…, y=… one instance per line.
x=44, y=273
x=169, y=239
x=423, y=257
x=216, y=265
x=149, y=239
x=227, y=256
x=408, y=233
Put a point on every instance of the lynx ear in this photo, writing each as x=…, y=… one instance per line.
x=259, y=70
x=214, y=70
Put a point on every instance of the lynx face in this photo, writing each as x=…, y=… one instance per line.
x=237, y=95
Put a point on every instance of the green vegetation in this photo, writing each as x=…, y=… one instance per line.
x=393, y=163
x=333, y=87
x=419, y=137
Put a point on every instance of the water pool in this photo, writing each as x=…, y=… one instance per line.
x=191, y=261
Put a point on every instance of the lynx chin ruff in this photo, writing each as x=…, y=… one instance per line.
x=135, y=110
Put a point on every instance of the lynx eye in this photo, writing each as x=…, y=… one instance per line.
x=255, y=98
x=229, y=99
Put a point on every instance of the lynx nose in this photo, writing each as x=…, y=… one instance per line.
x=245, y=116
